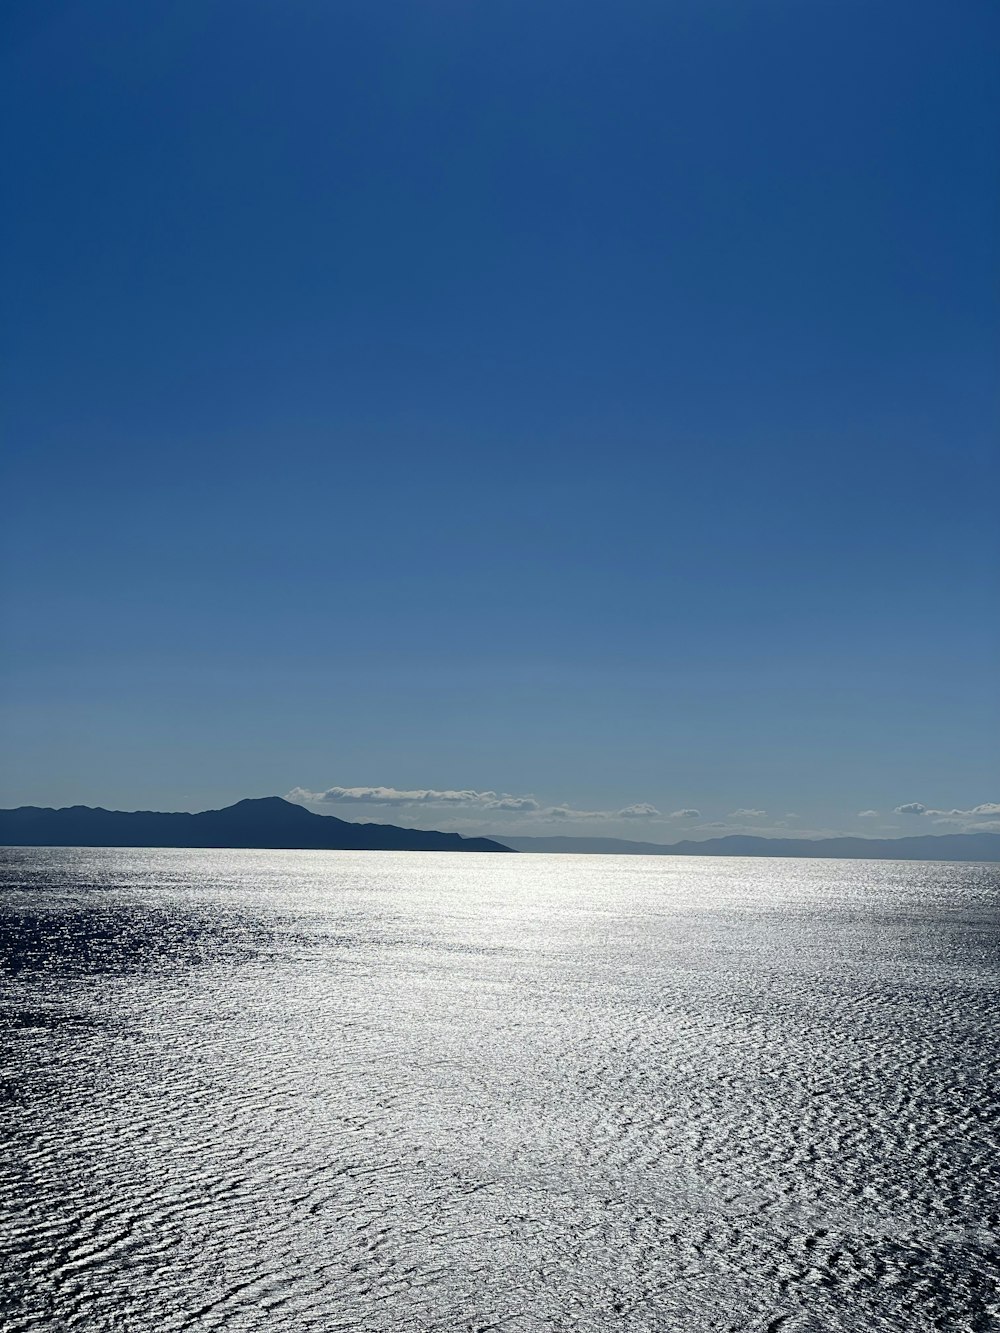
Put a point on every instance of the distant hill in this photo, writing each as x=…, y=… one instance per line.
x=269, y=822
x=930, y=847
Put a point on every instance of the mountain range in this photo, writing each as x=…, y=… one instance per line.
x=926, y=847
x=268, y=822
x=272, y=822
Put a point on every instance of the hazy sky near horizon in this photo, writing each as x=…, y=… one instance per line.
x=584, y=406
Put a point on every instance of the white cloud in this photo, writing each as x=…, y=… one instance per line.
x=685, y=814
x=976, y=817
x=489, y=802
x=746, y=814
x=567, y=812
x=977, y=812
x=389, y=796
x=641, y=811
x=868, y=814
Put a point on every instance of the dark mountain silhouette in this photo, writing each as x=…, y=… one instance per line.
x=928, y=847
x=268, y=822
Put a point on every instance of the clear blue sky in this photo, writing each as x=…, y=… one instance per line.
x=585, y=402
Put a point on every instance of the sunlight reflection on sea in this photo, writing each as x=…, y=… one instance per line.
x=410, y=1091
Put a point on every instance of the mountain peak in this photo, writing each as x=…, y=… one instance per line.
x=263, y=803
x=267, y=807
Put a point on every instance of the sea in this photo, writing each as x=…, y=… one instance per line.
x=381, y=1092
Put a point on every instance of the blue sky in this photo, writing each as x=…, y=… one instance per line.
x=592, y=406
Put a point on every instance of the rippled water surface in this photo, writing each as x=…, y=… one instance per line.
x=379, y=1091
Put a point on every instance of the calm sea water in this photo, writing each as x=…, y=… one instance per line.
x=381, y=1092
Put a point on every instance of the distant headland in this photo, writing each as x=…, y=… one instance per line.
x=269, y=822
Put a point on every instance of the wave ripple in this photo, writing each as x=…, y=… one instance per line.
x=381, y=1092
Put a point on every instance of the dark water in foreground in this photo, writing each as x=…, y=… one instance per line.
x=381, y=1091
